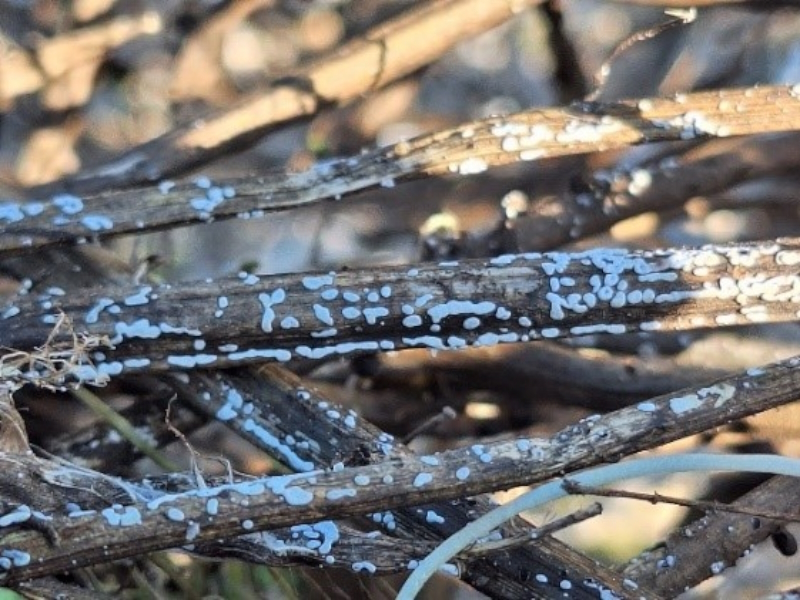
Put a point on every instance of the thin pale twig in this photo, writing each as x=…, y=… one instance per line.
x=692, y=553
x=468, y=149
x=658, y=498
x=384, y=54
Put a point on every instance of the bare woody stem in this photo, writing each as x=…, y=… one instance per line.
x=162, y=521
x=465, y=150
x=511, y=298
x=384, y=54
x=280, y=412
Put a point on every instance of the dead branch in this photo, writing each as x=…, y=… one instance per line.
x=702, y=505
x=347, y=466
x=660, y=185
x=465, y=150
x=372, y=552
x=282, y=409
x=50, y=587
x=65, y=65
x=597, y=380
x=695, y=552
x=445, y=306
x=149, y=520
x=304, y=429
x=382, y=55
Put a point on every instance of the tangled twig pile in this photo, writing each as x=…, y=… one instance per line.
x=322, y=360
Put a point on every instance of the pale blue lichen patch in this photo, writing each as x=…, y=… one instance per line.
x=68, y=203
x=683, y=404
x=17, y=558
x=97, y=222
x=289, y=323
x=122, y=516
x=422, y=479
x=315, y=282
x=11, y=212
x=267, y=302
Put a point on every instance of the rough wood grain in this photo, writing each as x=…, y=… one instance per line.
x=446, y=306
x=149, y=519
x=715, y=542
x=286, y=413
x=465, y=150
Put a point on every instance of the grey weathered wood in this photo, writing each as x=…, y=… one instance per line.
x=303, y=429
x=446, y=306
x=284, y=501
x=465, y=150
x=281, y=407
x=715, y=542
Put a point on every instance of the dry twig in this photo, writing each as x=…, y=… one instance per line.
x=468, y=149
x=144, y=524
x=444, y=306
x=382, y=55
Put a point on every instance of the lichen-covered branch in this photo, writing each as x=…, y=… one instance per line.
x=384, y=54
x=145, y=519
x=665, y=464
x=303, y=429
x=465, y=150
x=327, y=543
x=512, y=298
x=708, y=546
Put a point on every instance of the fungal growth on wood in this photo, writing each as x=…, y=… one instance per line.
x=521, y=298
x=333, y=320
x=468, y=150
x=199, y=514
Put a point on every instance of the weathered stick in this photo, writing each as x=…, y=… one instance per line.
x=659, y=185
x=598, y=382
x=446, y=306
x=384, y=54
x=464, y=150
x=296, y=424
x=146, y=519
x=715, y=542
x=286, y=415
